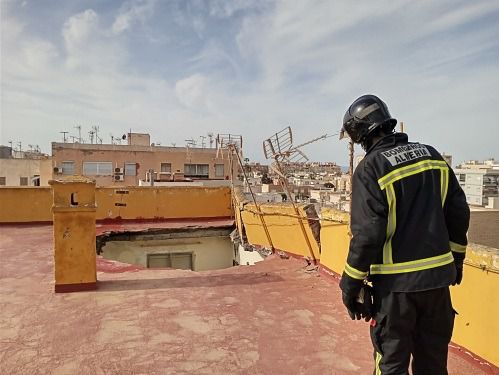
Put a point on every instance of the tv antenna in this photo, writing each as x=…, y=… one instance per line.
x=98, y=139
x=191, y=142
x=203, y=144
x=78, y=127
x=64, y=136
x=210, y=137
x=115, y=140
x=280, y=148
x=229, y=143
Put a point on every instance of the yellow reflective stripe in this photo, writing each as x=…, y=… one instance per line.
x=391, y=225
x=413, y=265
x=378, y=360
x=457, y=248
x=410, y=170
x=444, y=183
x=355, y=273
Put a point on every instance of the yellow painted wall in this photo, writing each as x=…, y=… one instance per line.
x=285, y=231
x=74, y=247
x=335, y=239
x=238, y=202
x=33, y=204
x=25, y=204
x=477, y=302
x=164, y=202
x=74, y=231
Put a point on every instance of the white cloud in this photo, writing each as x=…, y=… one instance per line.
x=462, y=15
x=137, y=11
x=78, y=28
x=192, y=92
x=225, y=9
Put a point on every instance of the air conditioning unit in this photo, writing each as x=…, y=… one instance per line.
x=119, y=174
x=57, y=170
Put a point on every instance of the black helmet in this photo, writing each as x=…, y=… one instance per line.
x=366, y=114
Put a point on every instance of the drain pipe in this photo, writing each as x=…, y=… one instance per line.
x=151, y=177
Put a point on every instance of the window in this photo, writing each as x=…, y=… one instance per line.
x=196, y=170
x=166, y=167
x=130, y=169
x=462, y=177
x=170, y=260
x=219, y=170
x=68, y=167
x=3, y=181
x=23, y=181
x=99, y=168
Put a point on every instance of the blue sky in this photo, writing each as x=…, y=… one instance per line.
x=181, y=69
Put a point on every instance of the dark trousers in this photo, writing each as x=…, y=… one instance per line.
x=413, y=323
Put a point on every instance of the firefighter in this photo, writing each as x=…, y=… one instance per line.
x=409, y=221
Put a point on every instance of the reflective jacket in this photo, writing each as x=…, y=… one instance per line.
x=409, y=219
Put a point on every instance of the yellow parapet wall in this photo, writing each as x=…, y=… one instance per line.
x=283, y=226
x=477, y=303
x=335, y=239
x=25, y=204
x=33, y=204
x=163, y=202
x=476, y=327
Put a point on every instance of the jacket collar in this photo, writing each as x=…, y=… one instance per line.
x=389, y=140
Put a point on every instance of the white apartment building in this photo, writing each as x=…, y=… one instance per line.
x=24, y=168
x=479, y=180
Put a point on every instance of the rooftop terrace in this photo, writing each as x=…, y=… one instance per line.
x=277, y=317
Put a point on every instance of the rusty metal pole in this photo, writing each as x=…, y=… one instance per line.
x=350, y=171
x=351, y=154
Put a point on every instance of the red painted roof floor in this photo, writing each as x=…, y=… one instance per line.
x=271, y=318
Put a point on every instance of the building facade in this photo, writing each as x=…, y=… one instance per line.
x=24, y=168
x=129, y=164
x=479, y=180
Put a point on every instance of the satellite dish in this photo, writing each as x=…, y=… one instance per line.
x=123, y=136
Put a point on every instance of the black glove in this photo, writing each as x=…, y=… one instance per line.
x=353, y=307
x=459, y=274
x=359, y=306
